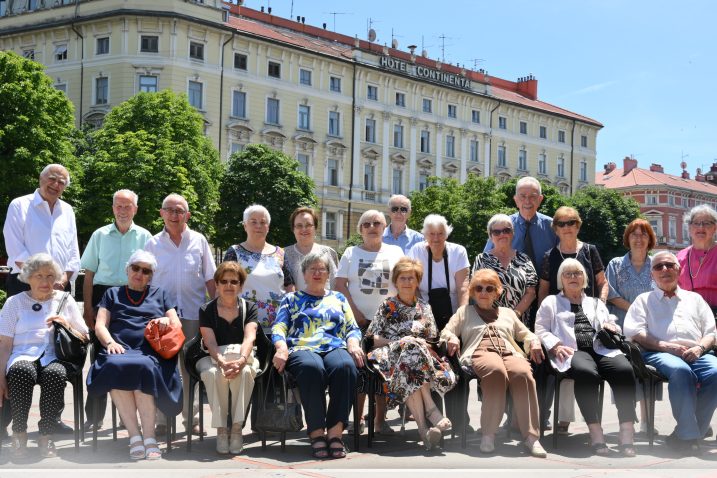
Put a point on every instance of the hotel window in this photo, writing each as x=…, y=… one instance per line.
x=542, y=164
x=397, y=181
x=61, y=87
x=3, y=8
x=272, y=111
x=330, y=225
x=369, y=173
x=304, y=117
x=685, y=234
x=502, y=122
x=236, y=148
x=671, y=200
x=427, y=105
x=196, y=50
x=656, y=226
x=195, y=94
x=543, y=132
x=303, y=163
x=103, y=46
x=422, y=180
x=372, y=92
x=561, y=136
x=561, y=167
x=370, y=130
x=501, y=156
x=425, y=141
x=332, y=166
x=523, y=160
x=474, y=151
x=400, y=99
x=61, y=52
x=149, y=44
x=451, y=146
x=584, y=141
x=452, y=111
x=239, y=104
x=523, y=127
x=274, y=69
x=583, y=171
x=101, y=90
x=334, y=123
x=305, y=77
x=335, y=84
x=398, y=136
x=148, y=83
x=475, y=116
x=240, y=61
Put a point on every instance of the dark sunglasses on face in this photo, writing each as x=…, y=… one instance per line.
x=136, y=268
x=489, y=288
x=368, y=224
x=403, y=209
x=228, y=281
x=664, y=265
x=569, y=222
x=498, y=232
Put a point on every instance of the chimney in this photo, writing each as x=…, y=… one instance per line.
x=699, y=176
x=685, y=174
x=656, y=168
x=628, y=164
x=528, y=87
x=609, y=167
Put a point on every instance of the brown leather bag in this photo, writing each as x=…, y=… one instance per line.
x=168, y=343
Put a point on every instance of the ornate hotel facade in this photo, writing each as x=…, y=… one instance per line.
x=365, y=121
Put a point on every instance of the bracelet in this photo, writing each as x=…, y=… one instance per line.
x=704, y=350
x=518, y=312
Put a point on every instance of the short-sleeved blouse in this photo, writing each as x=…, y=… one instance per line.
x=587, y=255
x=225, y=332
x=627, y=283
x=698, y=269
x=293, y=259
x=516, y=279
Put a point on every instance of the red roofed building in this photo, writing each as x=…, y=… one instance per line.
x=663, y=198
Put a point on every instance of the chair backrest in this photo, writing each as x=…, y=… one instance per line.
x=193, y=352
x=264, y=349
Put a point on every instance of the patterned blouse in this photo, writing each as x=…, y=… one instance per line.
x=516, y=279
x=318, y=324
x=624, y=281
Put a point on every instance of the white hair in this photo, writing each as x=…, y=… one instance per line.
x=132, y=195
x=571, y=264
x=396, y=197
x=256, y=208
x=176, y=197
x=666, y=255
x=46, y=170
x=701, y=209
x=436, y=220
x=369, y=214
x=529, y=181
x=36, y=262
x=140, y=255
x=499, y=219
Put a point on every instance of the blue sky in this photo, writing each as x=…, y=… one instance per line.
x=647, y=70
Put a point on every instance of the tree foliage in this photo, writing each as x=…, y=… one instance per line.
x=153, y=144
x=36, y=124
x=261, y=175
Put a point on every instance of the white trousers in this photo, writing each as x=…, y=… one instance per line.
x=218, y=388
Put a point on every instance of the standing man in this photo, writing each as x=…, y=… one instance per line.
x=105, y=260
x=42, y=222
x=398, y=233
x=185, y=270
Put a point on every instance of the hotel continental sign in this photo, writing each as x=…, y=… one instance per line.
x=363, y=120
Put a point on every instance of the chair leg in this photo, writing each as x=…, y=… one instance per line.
x=201, y=409
x=357, y=422
x=171, y=424
x=190, y=406
x=77, y=387
x=283, y=442
x=371, y=409
x=463, y=412
x=556, y=413
x=114, y=422
x=650, y=389
x=95, y=411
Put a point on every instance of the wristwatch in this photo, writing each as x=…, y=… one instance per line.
x=704, y=350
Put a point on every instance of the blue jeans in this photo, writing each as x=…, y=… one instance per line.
x=692, y=388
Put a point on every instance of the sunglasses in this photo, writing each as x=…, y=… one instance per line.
x=498, y=232
x=403, y=209
x=664, y=265
x=489, y=288
x=368, y=224
x=569, y=222
x=144, y=270
x=228, y=281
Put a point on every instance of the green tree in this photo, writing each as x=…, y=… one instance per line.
x=261, y=175
x=153, y=144
x=36, y=124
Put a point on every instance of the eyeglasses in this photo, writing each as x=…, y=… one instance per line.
x=402, y=209
x=498, y=232
x=702, y=223
x=638, y=234
x=489, y=288
x=172, y=211
x=57, y=179
x=144, y=270
x=228, y=281
x=664, y=265
x=369, y=224
x=569, y=222
x=254, y=222
x=573, y=274
x=532, y=196
x=318, y=271
x=303, y=226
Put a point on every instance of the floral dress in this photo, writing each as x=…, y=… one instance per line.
x=405, y=363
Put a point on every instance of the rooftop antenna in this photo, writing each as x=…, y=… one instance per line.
x=424, y=53
x=371, y=31
x=443, y=39
x=334, y=15
x=394, y=41
x=476, y=61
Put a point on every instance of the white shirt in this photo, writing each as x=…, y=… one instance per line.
x=684, y=318
x=32, y=338
x=457, y=261
x=183, y=271
x=31, y=228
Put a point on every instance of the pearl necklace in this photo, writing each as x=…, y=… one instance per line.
x=578, y=245
x=700, y=260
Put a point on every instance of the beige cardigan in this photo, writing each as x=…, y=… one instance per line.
x=467, y=325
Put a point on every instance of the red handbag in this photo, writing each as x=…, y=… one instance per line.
x=167, y=343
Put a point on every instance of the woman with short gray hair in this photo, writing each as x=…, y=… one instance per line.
x=698, y=262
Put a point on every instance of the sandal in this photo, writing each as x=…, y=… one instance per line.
x=153, y=452
x=627, y=450
x=600, y=449
x=322, y=450
x=432, y=438
x=136, y=448
x=438, y=420
x=562, y=428
x=337, y=452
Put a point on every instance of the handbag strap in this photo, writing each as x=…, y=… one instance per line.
x=63, y=300
x=445, y=265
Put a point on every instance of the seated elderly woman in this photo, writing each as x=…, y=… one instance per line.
x=27, y=351
x=401, y=329
x=567, y=324
x=487, y=338
x=318, y=341
x=228, y=325
x=136, y=377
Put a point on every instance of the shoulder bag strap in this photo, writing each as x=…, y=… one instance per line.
x=63, y=300
x=243, y=311
x=445, y=265
x=430, y=268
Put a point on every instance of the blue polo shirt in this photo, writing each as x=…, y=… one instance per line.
x=541, y=234
x=407, y=239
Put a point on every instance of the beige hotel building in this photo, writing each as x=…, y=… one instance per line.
x=364, y=120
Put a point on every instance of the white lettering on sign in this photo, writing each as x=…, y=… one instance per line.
x=424, y=72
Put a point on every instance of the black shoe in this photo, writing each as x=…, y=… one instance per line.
x=709, y=433
x=689, y=447
x=89, y=426
x=3, y=433
x=62, y=429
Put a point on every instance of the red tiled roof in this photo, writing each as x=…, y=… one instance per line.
x=638, y=177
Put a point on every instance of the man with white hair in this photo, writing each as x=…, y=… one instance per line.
x=677, y=329
x=104, y=260
x=398, y=233
x=185, y=270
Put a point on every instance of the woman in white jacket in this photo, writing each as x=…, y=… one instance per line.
x=567, y=324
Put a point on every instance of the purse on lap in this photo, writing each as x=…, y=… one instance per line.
x=166, y=343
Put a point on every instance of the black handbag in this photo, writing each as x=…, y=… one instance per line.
x=610, y=340
x=440, y=298
x=276, y=412
x=68, y=346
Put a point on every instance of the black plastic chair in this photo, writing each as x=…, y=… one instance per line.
x=74, y=377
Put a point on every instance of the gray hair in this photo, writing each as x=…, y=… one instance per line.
x=140, y=255
x=368, y=214
x=36, y=262
x=396, y=197
x=664, y=254
x=571, y=264
x=256, y=208
x=499, y=219
x=701, y=209
x=176, y=197
x=528, y=181
x=436, y=220
x=46, y=170
x=313, y=257
x=132, y=195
